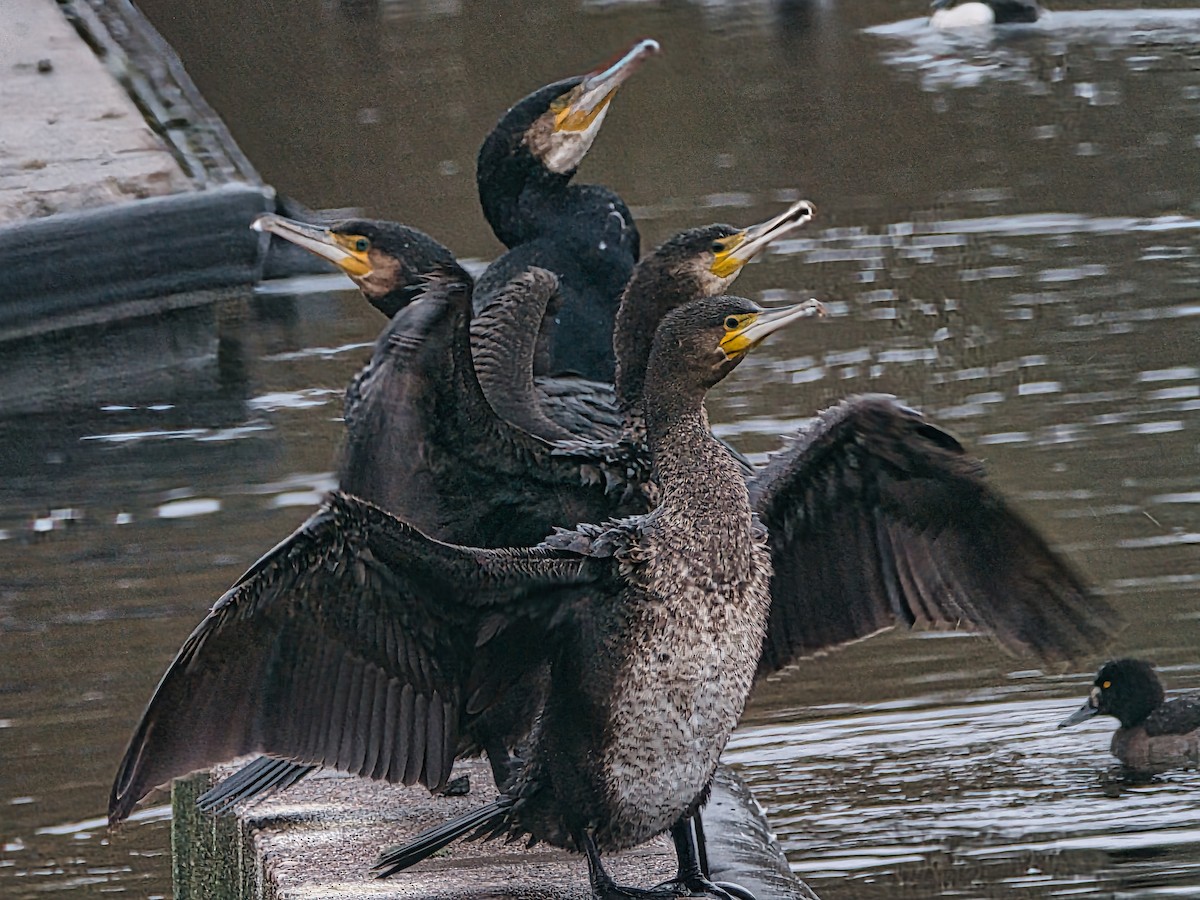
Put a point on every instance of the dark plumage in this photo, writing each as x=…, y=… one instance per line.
x=439, y=634
x=1155, y=734
x=583, y=234
x=422, y=441
x=696, y=262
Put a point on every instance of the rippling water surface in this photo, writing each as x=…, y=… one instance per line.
x=1009, y=239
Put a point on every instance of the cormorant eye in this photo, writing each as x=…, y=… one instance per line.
x=731, y=323
x=717, y=247
x=1106, y=686
x=362, y=245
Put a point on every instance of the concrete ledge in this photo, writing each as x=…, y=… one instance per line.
x=319, y=839
x=71, y=262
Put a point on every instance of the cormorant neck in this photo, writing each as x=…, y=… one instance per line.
x=396, y=299
x=649, y=296
x=691, y=466
x=506, y=168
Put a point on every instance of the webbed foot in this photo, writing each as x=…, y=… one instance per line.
x=699, y=886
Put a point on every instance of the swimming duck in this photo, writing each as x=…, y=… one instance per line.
x=1155, y=734
x=975, y=14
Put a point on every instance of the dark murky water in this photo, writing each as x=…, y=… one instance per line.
x=1009, y=239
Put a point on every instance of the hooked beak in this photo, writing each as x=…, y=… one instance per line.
x=742, y=247
x=598, y=88
x=1085, y=712
x=318, y=240
x=758, y=327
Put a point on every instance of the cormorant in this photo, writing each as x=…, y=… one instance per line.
x=422, y=441
x=406, y=429
x=977, y=14
x=679, y=598
x=583, y=234
x=1155, y=734
x=386, y=686
x=695, y=262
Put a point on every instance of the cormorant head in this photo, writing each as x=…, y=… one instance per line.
x=563, y=132
x=711, y=257
x=709, y=336
x=538, y=144
x=697, y=262
x=1126, y=689
x=388, y=261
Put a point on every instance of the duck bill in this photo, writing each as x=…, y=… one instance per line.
x=749, y=243
x=1082, y=714
x=587, y=110
x=762, y=325
x=316, y=240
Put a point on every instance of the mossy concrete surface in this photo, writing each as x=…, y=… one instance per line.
x=319, y=839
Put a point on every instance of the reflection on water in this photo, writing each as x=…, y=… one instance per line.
x=1008, y=240
x=970, y=794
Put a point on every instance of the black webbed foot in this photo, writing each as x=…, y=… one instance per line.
x=457, y=787
x=690, y=881
x=699, y=886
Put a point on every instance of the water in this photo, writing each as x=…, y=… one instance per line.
x=1008, y=238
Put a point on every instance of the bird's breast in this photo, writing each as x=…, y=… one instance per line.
x=694, y=642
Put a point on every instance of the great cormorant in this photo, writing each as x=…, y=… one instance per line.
x=652, y=626
x=582, y=233
x=694, y=262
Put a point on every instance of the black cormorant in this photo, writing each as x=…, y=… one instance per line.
x=422, y=441
x=583, y=234
x=652, y=626
x=1156, y=734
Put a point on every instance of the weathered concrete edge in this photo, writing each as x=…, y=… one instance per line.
x=152, y=74
x=79, y=267
x=69, y=262
x=320, y=838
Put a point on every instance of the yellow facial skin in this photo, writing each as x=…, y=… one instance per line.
x=738, y=249
x=746, y=331
x=568, y=116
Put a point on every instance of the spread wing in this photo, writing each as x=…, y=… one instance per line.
x=878, y=518
x=357, y=643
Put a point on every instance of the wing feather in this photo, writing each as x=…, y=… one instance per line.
x=355, y=618
x=878, y=518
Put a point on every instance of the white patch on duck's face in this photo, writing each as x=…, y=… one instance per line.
x=965, y=15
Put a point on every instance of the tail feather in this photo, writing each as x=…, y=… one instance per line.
x=259, y=778
x=490, y=818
